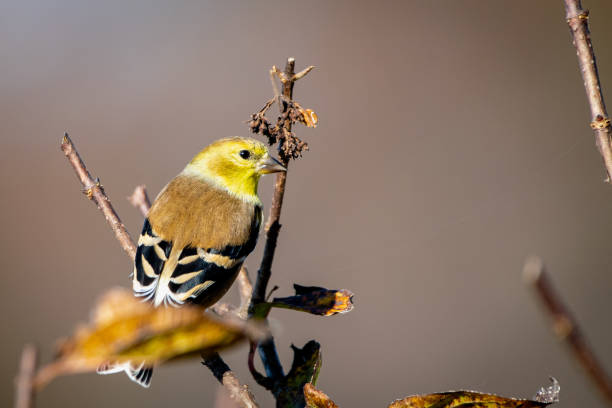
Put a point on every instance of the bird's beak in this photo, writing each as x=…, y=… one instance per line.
x=270, y=165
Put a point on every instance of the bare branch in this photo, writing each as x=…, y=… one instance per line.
x=303, y=73
x=238, y=392
x=282, y=76
x=273, y=224
x=267, y=349
x=24, y=383
x=140, y=199
x=274, y=72
x=577, y=19
x=95, y=192
x=565, y=325
x=245, y=287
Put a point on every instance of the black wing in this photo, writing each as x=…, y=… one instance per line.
x=151, y=256
x=194, y=275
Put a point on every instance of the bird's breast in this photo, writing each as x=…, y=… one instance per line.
x=191, y=212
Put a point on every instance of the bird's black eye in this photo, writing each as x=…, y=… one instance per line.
x=245, y=154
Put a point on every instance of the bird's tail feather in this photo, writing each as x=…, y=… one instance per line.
x=140, y=374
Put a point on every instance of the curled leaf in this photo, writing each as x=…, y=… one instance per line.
x=309, y=117
x=473, y=399
x=316, y=300
x=306, y=364
x=289, y=390
x=125, y=329
x=316, y=398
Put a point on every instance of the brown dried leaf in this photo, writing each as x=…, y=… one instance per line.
x=126, y=329
x=259, y=124
x=473, y=399
x=289, y=145
x=316, y=398
x=463, y=399
x=308, y=117
x=316, y=300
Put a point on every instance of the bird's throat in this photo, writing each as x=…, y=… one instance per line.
x=239, y=185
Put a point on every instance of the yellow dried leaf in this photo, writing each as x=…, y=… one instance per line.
x=126, y=329
x=466, y=399
x=316, y=398
x=310, y=118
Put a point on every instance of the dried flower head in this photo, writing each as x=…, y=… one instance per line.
x=289, y=145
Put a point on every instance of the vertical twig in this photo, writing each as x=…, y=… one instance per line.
x=267, y=349
x=95, y=192
x=273, y=224
x=24, y=393
x=140, y=199
x=577, y=19
x=245, y=288
x=288, y=147
x=565, y=325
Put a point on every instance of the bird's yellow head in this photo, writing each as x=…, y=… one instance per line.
x=235, y=164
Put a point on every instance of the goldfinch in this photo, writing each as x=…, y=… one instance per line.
x=199, y=231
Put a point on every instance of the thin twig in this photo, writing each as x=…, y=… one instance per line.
x=221, y=371
x=577, y=19
x=259, y=378
x=273, y=72
x=214, y=362
x=565, y=325
x=24, y=395
x=267, y=349
x=245, y=288
x=140, y=199
x=303, y=73
x=273, y=224
x=95, y=192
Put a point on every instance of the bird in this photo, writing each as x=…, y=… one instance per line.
x=198, y=232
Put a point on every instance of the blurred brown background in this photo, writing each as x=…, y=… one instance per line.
x=453, y=142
